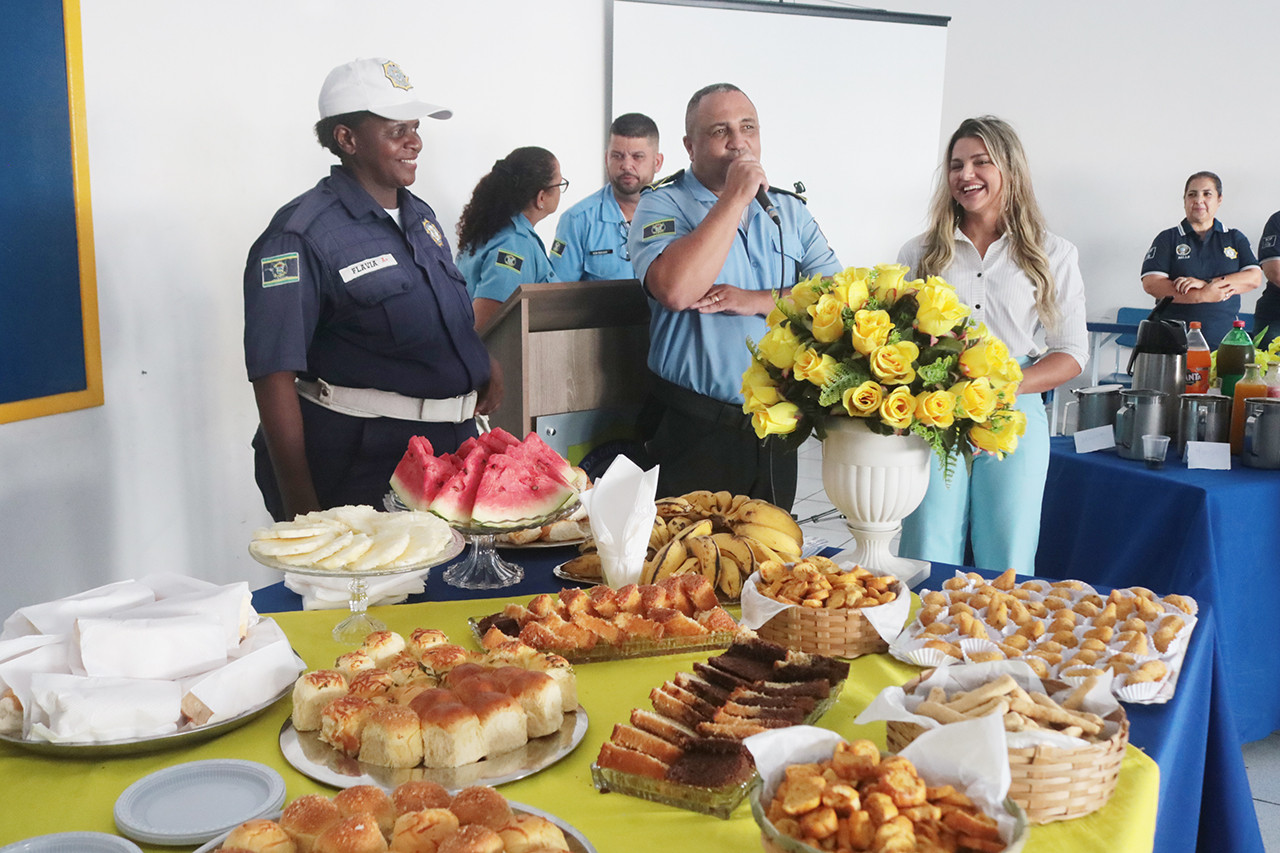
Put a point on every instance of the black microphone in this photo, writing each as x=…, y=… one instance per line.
x=762, y=199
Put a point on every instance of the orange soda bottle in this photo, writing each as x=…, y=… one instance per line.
x=1198, y=355
x=1249, y=385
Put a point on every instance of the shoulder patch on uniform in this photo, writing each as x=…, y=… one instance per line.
x=557, y=247
x=432, y=231
x=657, y=228
x=1151, y=253
x=510, y=260
x=280, y=269
x=794, y=195
x=1267, y=241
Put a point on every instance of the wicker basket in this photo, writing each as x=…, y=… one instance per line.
x=1049, y=783
x=842, y=632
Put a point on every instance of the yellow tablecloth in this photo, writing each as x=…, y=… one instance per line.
x=43, y=795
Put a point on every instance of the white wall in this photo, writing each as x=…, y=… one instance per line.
x=199, y=115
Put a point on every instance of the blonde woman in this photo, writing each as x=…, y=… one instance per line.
x=987, y=237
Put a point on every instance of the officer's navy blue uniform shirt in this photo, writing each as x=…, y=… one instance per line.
x=1180, y=252
x=1267, y=312
x=512, y=257
x=707, y=353
x=591, y=241
x=334, y=289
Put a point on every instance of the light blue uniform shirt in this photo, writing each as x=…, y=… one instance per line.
x=707, y=353
x=512, y=257
x=591, y=240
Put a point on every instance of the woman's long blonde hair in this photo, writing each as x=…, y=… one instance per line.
x=1020, y=217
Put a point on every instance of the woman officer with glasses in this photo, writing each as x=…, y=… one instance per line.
x=498, y=250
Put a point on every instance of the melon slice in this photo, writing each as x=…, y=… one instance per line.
x=464, y=449
x=456, y=497
x=498, y=440
x=420, y=475
x=535, y=452
x=512, y=491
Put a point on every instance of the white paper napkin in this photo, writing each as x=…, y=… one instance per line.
x=322, y=593
x=230, y=605
x=256, y=674
x=57, y=617
x=165, y=648
x=169, y=584
x=77, y=708
x=17, y=672
x=886, y=619
x=622, y=511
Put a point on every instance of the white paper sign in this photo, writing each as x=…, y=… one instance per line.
x=1098, y=438
x=1214, y=455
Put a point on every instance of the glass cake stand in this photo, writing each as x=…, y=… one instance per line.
x=483, y=568
x=357, y=626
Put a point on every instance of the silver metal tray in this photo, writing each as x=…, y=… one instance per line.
x=314, y=758
x=155, y=743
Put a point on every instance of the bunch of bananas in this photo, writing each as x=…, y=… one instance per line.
x=720, y=535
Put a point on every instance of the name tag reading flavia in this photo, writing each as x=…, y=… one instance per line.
x=368, y=265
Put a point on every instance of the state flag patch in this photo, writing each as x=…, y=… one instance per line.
x=658, y=228
x=280, y=269
x=557, y=248
x=510, y=260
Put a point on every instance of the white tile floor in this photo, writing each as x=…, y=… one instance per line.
x=1261, y=758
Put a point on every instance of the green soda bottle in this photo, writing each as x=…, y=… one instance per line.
x=1235, y=351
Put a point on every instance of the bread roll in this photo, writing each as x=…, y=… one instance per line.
x=383, y=646
x=311, y=692
x=368, y=800
x=308, y=816
x=561, y=672
x=439, y=659
x=538, y=695
x=423, y=831
x=424, y=638
x=342, y=721
x=352, y=835
x=503, y=724
x=528, y=833
x=450, y=730
x=481, y=804
x=352, y=663
x=372, y=684
x=391, y=737
x=261, y=836
x=420, y=795
x=404, y=668
x=472, y=839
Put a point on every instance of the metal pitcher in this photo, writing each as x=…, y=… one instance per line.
x=1098, y=405
x=1142, y=412
x=1261, y=432
x=1203, y=417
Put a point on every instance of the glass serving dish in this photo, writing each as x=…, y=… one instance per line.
x=352, y=630
x=717, y=802
x=635, y=649
x=483, y=568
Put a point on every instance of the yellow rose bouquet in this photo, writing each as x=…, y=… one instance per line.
x=904, y=355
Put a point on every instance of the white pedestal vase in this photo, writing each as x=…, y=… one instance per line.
x=876, y=481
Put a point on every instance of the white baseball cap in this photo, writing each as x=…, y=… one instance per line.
x=377, y=85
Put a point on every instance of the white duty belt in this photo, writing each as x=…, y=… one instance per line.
x=372, y=403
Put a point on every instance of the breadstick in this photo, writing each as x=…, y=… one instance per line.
x=973, y=698
x=1073, y=702
x=939, y=712
x=1055, y=715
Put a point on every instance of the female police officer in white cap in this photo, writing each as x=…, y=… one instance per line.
x=358, y=328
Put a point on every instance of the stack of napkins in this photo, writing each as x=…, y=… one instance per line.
x=622, y=511
x=334, y=593
x=138, y=659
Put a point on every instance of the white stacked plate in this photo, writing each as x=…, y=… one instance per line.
x=194, y=802
x=73, y=842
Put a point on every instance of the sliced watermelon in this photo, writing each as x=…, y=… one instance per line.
x=512, y=491
x=536, y=452
x=455, y=499
x=498, y=439
x=420, y=474
x=464, y=449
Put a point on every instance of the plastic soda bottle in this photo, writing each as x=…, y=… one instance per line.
x=1198, y=354
x=1273, y=379
x=1235, y=351
x=1250, y=385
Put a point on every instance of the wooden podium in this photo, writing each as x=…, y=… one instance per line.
x=569, y=347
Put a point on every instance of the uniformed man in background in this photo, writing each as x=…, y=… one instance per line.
x=591, y=238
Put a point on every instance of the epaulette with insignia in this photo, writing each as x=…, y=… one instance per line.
x=795, y=195
x=662, y=182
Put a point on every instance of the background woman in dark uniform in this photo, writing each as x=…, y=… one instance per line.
x=1201, y=264
x=358, y=328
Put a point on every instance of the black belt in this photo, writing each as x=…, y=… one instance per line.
x=700, y=406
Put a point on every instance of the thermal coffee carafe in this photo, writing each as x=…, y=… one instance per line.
x=1159, y=361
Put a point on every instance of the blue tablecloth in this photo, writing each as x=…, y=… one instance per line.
x=1204, y=791
x=1208, y=534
